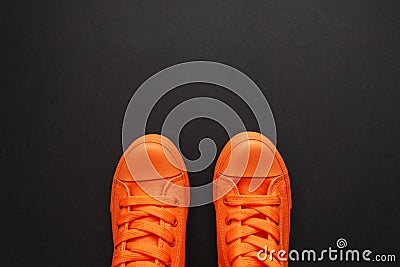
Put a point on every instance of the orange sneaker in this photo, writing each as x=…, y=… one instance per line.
x=149, y=220
x=248, y=221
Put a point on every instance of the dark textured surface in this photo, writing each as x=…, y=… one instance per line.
x=330, y=70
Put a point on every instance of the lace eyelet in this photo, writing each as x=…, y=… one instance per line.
x=225, y=201
x=227, y=222
x=175, y=223
x=173, y=243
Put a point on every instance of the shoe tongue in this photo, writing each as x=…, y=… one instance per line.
x=136, y=190
x=244, y=186
x=145, y=188
x=265, y=188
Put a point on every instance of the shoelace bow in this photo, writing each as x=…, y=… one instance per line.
x=138, y=253
x=259, y=216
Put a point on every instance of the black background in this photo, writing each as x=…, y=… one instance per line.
x=329, y=69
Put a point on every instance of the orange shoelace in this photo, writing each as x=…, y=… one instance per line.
x=132, y=227
x=259, y=219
